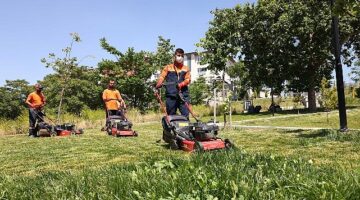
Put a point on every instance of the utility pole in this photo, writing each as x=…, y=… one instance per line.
x=339, y=71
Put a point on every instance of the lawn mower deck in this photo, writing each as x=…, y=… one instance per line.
x=46, y=130
x=119, y=126
x=180, y=133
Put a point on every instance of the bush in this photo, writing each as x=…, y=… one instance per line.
x=357, y=92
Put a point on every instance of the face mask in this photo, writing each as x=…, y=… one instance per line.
x=179, y=59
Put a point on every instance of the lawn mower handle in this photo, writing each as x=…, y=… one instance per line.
x=181, y=96
x=44, y=115
x=187, y=105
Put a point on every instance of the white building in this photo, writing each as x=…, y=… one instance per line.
x=193, y=59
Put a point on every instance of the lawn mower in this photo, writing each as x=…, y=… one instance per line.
x=180, y=133
x=44, y=129
x=118, y=125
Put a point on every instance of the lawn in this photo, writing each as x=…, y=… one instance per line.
x=318, y=120
x=280, y=164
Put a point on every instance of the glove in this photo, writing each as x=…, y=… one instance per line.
x=180, y=85
x=158, y=84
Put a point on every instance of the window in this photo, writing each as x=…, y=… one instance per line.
x=202, y=71
x=198, y=59
x=188, y=61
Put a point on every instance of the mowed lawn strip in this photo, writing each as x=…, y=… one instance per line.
x=315, y=120
x=93, y=149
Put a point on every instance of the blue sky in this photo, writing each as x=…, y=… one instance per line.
x=30, y=30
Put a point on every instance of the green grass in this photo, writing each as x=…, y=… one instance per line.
x=317, y=120
x=219, y=175
x=275, y=164
x=267, y=164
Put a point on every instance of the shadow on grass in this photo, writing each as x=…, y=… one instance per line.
x=291, y=131
x=317, y=133
x=293, y=111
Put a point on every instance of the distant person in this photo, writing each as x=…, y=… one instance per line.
x=113, y=100
x=36, y=102
x=177, y=77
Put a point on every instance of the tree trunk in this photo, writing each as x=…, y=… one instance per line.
x=311, y=88
x=312, y=99
x=59, y=108
x=230, y=117
x=223, y=86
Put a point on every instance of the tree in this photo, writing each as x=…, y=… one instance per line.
x=355, y=72
x=10, y=107
x=134, y=86
x=355, y=76
x=12, y=98
x=63, y=67
x=82, y=90
x=328, y=98
x=199, y=91
x=238, y=75
x=347, y=7
x=219, y=43
x=282, y=40
x=164, y=53
x=19, y=88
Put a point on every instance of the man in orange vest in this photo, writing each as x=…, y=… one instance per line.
x=113, y=100
x=36, y=102
x=177, y=76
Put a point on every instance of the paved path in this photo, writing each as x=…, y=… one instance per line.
x=277, y=127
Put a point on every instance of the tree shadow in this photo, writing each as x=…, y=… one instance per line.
x=294, y=131
x=316, y=133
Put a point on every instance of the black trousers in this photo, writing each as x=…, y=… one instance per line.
x=174, y=103
x=35, y=116
x=114, y=112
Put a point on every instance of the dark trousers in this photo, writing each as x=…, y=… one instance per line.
x=114, y=112
x=35, y=116
x=174, y=103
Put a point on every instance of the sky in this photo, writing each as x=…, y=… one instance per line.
x=30, y=30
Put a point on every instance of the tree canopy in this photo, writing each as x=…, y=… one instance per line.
x=280, y=41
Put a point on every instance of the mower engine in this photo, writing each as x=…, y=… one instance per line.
x=44, y=129
x=203, y=132
x=67, y=129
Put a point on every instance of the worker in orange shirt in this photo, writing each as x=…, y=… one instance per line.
x=113, y=100
x=36, y=102
x=177, y=77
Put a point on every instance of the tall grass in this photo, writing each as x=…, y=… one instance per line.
x=96, y=118
x=217, y=175
x=88, y=119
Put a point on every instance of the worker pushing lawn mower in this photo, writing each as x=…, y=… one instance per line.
x=38, y=127
x=178, y=131
x=117, y=123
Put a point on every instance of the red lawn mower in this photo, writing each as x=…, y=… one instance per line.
x=118, y=125
x=44, y=129
x=180, y=133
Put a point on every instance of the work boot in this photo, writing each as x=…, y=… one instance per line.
x=32, y=133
